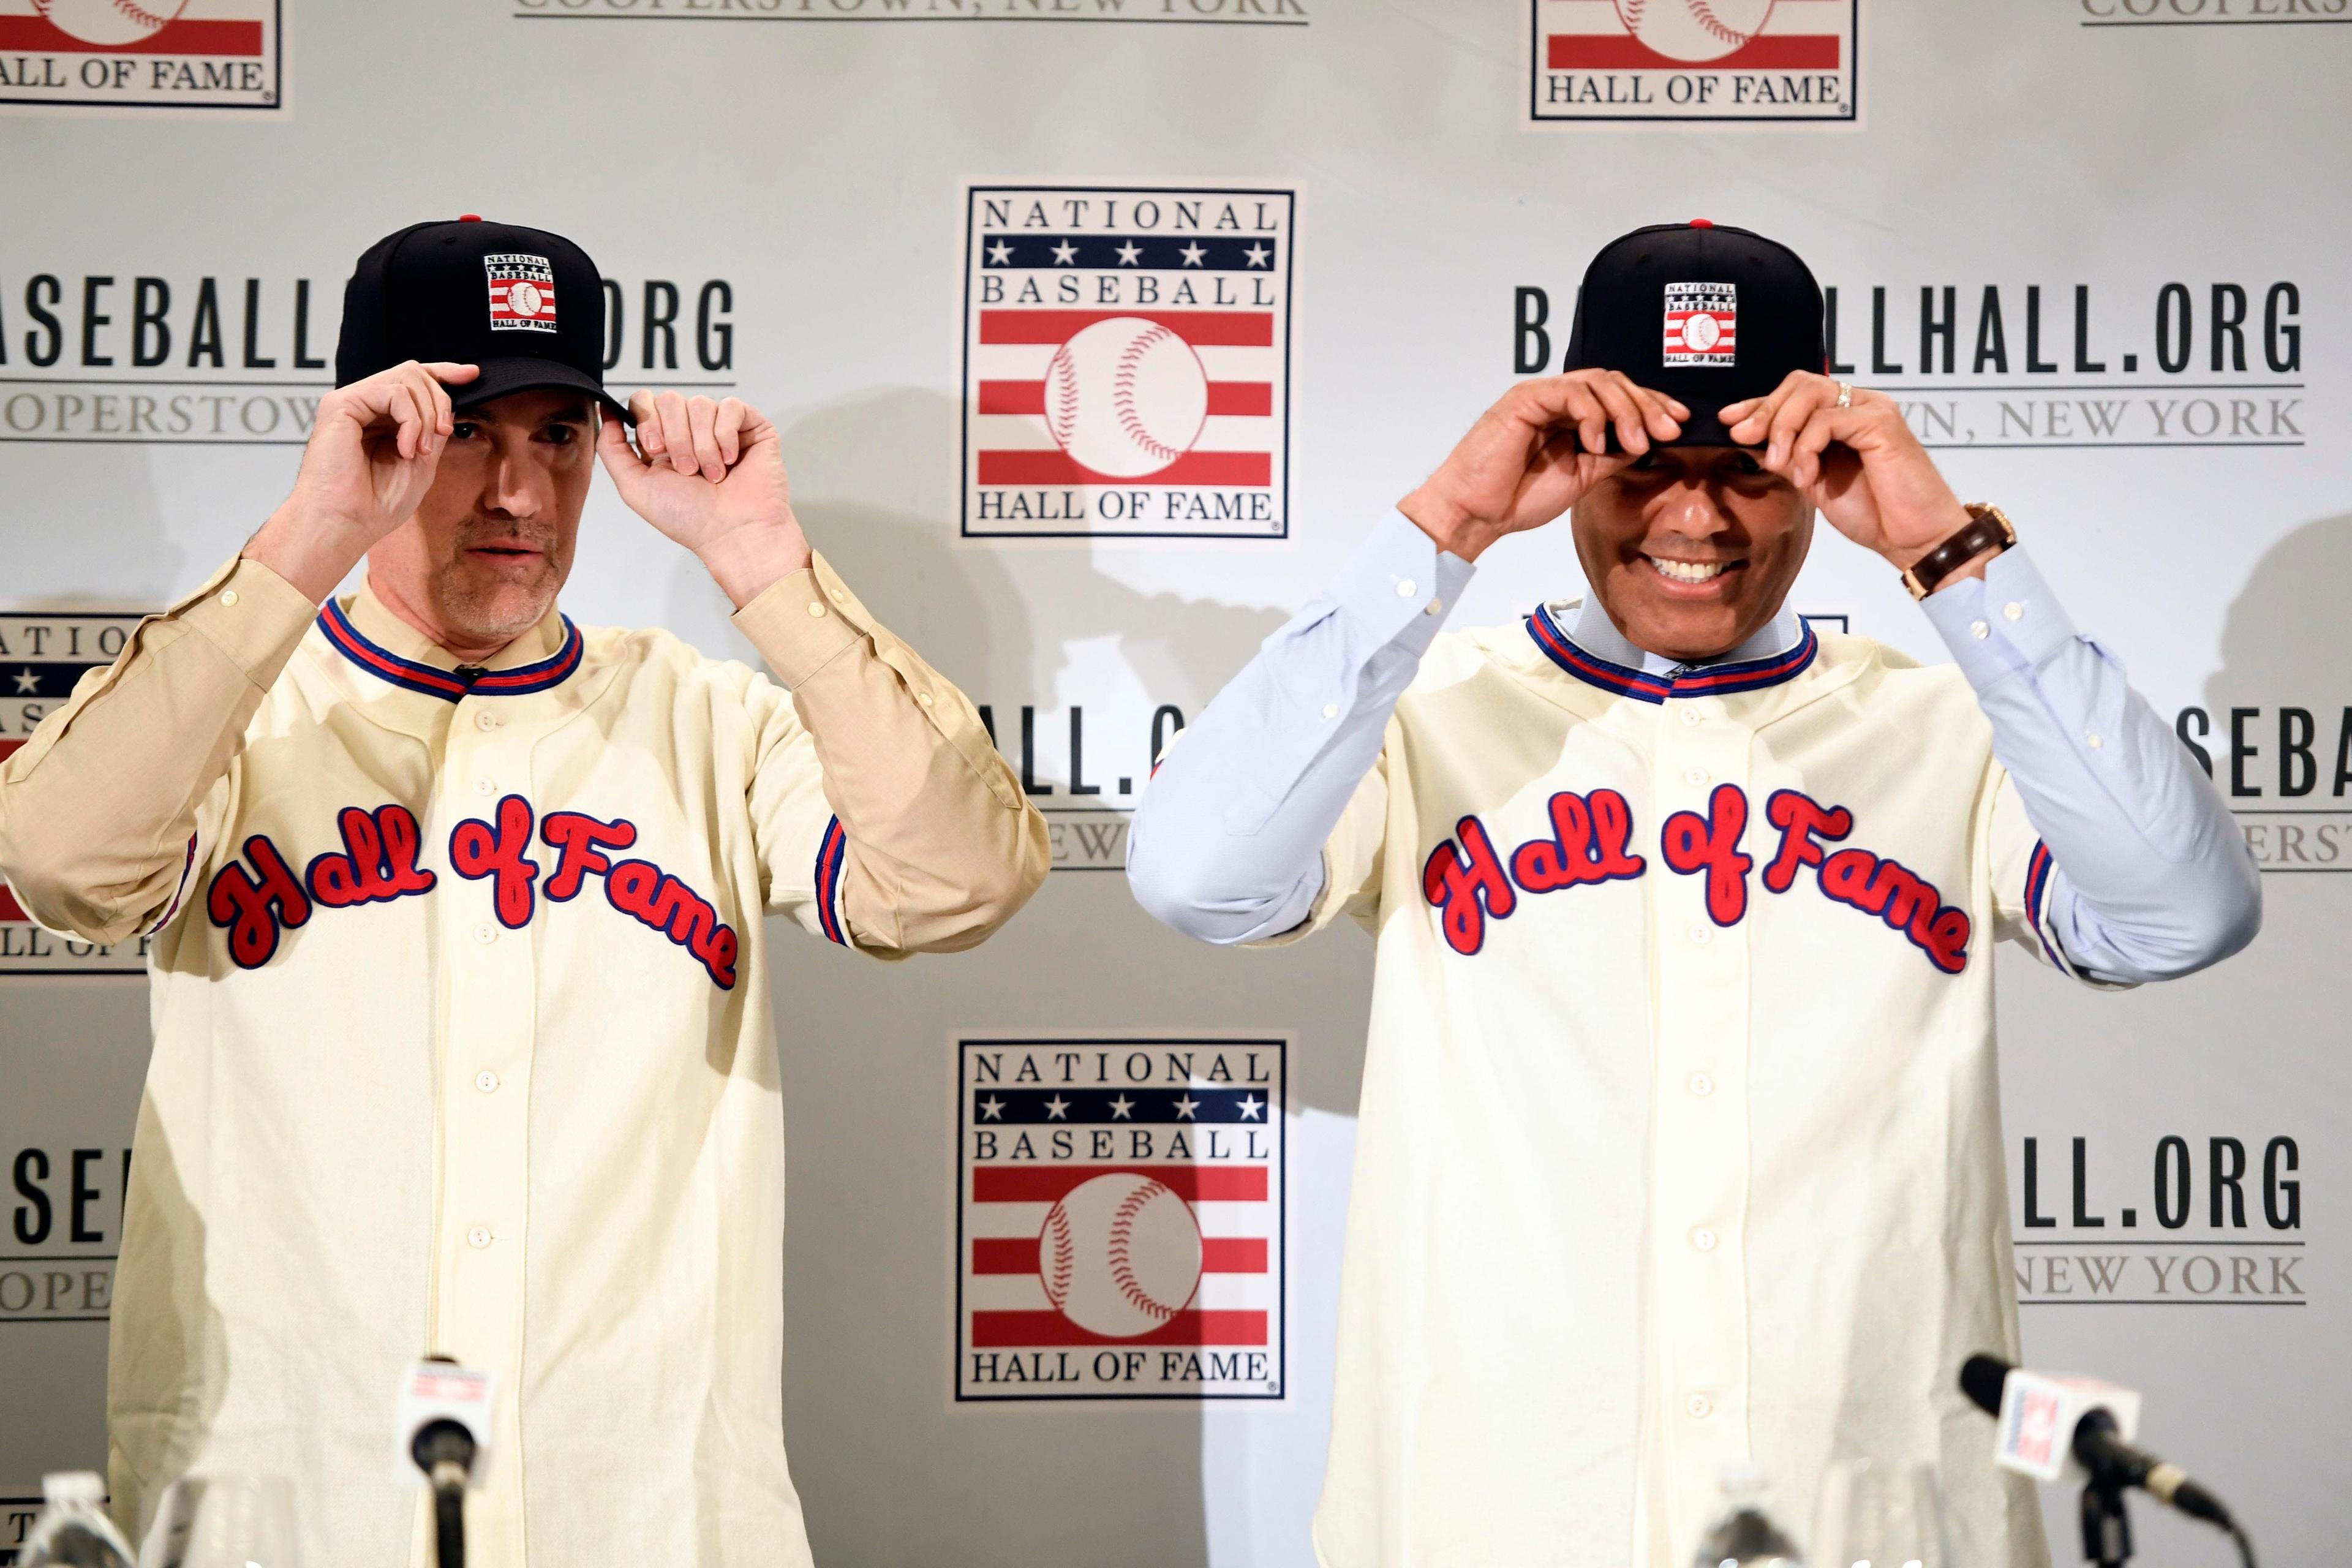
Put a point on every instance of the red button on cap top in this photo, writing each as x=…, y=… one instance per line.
x=1701, y=223
x=469, y=218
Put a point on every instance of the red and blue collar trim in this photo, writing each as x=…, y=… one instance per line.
x=1712, y=681
x=410, y=675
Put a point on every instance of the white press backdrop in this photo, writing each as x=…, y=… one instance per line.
x=2193, y=504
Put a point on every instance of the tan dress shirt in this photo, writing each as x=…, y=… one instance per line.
x=462, y=1038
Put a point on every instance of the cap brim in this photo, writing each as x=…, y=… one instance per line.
x=1704, y=429
x=502, y=377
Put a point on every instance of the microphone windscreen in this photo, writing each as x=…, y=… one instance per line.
x=1980, y=1380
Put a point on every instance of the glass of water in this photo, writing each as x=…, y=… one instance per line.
x=225, y=1521
x=1878, y=1515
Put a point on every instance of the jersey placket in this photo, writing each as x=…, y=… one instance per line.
x=484, y=1087
x=1699, y=1153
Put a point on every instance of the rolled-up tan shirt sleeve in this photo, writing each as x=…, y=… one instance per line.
x=937, y=845
x=98, y=809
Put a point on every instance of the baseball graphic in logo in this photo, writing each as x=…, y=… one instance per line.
x=1120, y=1255
x=110, y=24
x=1694, y=30
x=523, y=292
x=1126, y=397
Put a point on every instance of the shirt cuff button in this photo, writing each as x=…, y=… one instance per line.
x=816, y=610
x=1407, y=587
x=2015, y=611
x=1978, y=630
x=230, y=598
x=1330, y=709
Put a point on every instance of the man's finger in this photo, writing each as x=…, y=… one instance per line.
x=702, y=418
x=1827, y=424
x=1657, y=411
x=621, y=459
x=1787, y=421
x=399, y=407
x=431, y=404
x=1616, y=395
x=677, y=432
x=649, y=423
x=452, y=371
x=728, y=428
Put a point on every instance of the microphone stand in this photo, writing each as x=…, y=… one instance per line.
x=2106, y=1527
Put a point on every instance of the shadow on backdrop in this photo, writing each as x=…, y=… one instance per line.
x=891, y=1470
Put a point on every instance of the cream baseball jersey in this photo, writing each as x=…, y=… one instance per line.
x=1680, y=1116
x=463, y=1044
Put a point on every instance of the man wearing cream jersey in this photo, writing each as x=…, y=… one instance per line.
x=1680, y=1137
x=461, y=1011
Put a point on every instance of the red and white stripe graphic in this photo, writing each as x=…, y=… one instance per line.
x=1013, y=441
x=1013, y=1304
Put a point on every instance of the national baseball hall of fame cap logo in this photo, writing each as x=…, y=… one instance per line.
x=42, y=655
x=1119, y=1218
x=1702, y=324
x=175, y=55
x=1745, y=60
x=523, y=292
x=1126, y=363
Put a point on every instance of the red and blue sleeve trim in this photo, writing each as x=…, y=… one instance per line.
x=1715, y=680
x=412, y=675
x=2038, y=867
x=832, y=850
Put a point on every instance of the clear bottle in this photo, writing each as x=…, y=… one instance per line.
x=1743, y=1535
x=73, y=1531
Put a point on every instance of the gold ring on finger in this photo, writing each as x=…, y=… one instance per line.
x=1845, y=394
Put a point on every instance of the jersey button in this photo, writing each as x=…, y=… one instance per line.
x=485, y=934
x=1703, y=1239
x=1701, y=934
x=486, y=1081
x=1692, y=715
x=479, y=1236
x=486, y=786
x=1694, y=775
x=1699, y=1405
x=486, y=720
x=1700, y=1084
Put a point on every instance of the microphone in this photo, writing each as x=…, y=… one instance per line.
x=445, y=1441
x=2045, y=1421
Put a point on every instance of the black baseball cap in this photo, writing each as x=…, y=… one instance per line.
x=525, y=305
x=1702, y=313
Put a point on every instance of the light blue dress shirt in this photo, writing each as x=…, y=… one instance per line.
x=2152, y=878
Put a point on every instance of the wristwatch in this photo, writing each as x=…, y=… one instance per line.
x=1989, y=528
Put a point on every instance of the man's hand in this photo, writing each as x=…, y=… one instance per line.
x=1531, y=456
x=711, y=476
x=375, y=447
x=1860, y=465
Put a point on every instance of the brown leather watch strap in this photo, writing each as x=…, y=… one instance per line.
x=1987, y=529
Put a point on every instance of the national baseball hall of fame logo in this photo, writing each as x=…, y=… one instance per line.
x=41, y=656
x=142, y=54
x=1747, y=60
x=1119, y=1218
x=1126, y=363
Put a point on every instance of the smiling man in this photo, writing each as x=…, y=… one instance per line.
x=462, y=1031
x=1680, y=1136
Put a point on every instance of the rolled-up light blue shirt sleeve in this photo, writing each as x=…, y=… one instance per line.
x=1227, y=842
x=2152, y=878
